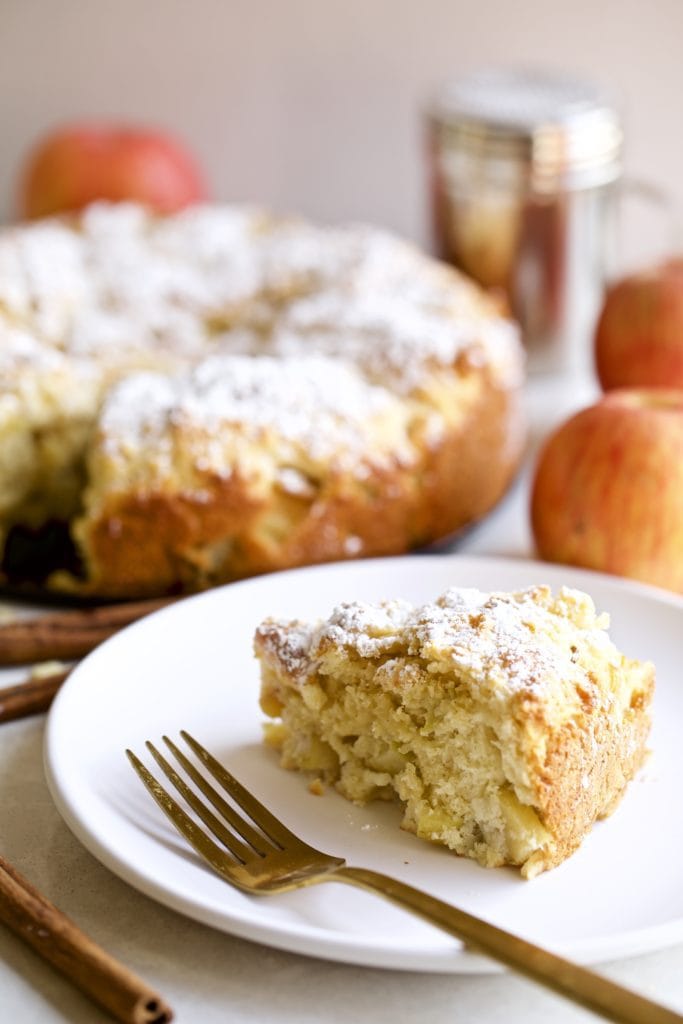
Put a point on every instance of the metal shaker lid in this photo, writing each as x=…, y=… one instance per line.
x=562, y=128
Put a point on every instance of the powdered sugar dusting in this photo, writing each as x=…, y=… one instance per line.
x=310, y=336
x=291, y=646
x=42, y=279
x=311, y=401
x=19, y=350
x=524, y=641
x=293, y=481
x=120, y=281
x=385, y=333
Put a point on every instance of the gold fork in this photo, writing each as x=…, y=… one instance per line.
x=263, y=856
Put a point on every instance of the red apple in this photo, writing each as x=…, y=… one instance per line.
x=80, y=163
x=608, y=488
x=639, y=337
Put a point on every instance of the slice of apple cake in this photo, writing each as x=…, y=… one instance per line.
x=505, y=723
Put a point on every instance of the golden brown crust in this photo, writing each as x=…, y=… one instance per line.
x=367, y=400
x=227, y=534
x=572, y=787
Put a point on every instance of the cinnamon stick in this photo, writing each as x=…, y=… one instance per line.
x=59, y=941
x=31, y=697
x=68, y=635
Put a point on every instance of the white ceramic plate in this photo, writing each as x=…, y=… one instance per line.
x=190, y=666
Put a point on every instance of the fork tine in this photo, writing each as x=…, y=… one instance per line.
x=255, y=839
x=200, y=842
x=229, y=840
x=266, y=821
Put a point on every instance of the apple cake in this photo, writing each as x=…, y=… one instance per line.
x=506, y=724
x=189, y=399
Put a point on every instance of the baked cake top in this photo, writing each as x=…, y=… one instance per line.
x=311, y=402
x=322, y=344
x=234, y=279
x=527, y=644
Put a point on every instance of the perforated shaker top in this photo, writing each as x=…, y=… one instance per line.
x=562, y=125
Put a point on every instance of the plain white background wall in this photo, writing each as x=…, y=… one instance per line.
x=315, y=105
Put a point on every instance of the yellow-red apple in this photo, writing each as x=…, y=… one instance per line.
x=80, y=163
x=639, y=335
x=607, y=491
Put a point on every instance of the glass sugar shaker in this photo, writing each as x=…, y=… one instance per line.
x=524, y=170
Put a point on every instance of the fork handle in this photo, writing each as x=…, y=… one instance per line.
x=582, y=986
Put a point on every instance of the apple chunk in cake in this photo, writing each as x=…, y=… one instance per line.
x=505, y=723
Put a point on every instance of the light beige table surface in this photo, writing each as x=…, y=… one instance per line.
x=211, y=977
